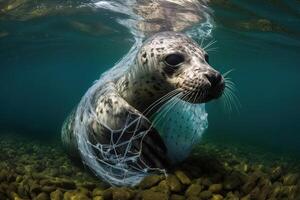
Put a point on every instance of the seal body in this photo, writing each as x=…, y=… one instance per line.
x=168, y=64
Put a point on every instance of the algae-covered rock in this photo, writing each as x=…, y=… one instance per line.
x=205, y=194
x=107, y=194
x=184, y=179
x=177, y=197
x=193, y=190
x=276, y=173
x=247, y=197
x=231, y=196
x=56, y=195
x=42, y=196
x=14, y=196
x=162, y=187
x=64, y=183
x=75, y=195
x=88, y=185
x=217, y=197
x=122, y=193
x=290, y=179
x=174, y=183
x=97, y=192
x=150, y=181
x=35, y=188
x=232, y=181
x=98, y=198
x=215, y=188
x=48, y=189
x=151, y=195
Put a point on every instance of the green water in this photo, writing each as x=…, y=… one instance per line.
x=48, y=62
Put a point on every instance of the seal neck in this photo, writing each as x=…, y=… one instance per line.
x=140, y=90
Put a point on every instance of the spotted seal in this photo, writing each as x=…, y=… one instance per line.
x=166, y=62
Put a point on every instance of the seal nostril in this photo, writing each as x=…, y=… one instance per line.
x=218, y=77
x=214, y=78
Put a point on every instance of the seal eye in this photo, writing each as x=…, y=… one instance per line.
x=206, y=57
x=174, y=59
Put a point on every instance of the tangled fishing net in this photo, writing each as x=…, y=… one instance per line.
x=126, y=168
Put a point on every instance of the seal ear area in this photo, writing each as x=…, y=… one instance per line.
x=173, y=62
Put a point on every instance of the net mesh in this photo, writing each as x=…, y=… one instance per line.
x=125, y=167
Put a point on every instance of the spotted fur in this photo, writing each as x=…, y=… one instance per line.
x=145, y=82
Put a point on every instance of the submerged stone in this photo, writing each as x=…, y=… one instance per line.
x=173, y=183
x=215, y=188
x=149, y=181
x=193, y=190
x=184, y=179
x=151, y=195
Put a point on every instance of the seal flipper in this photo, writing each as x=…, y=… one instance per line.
x=122, y=131
x=129, y=124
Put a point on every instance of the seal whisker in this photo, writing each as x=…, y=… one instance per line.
x=214, y=49
x=160, y=100
x=212, y=42
x=178, y=98
x=235, y=100
x=228, y=72
x=166, y=109
x=227, y=101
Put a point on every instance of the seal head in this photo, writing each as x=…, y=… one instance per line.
x=175, y=61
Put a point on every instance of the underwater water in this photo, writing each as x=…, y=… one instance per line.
x=51, y=53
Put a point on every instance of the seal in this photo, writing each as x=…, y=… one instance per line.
x=168, y=64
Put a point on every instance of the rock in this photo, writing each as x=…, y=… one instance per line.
x=205, y=194
x=97, y=192
x=254, y=194
x=206, y=182
x=232, y=181
x=162, y=187
x=48, y=189
x=84, y=191
x=215, y=188
x=14, y=196
x=35, y=188
x=193, y=198
x=121, y=193
x=151, y=195
x=174, y=183
x=217, y=197
x=276, y=173
x=19, y=179
x=247, y=197
x=46, y=182
x=98, y=198
x=107, y=194
x=193, y=190
x=149, y=181
x=66, y=184
x=3, y=175
x=56, y=195
x=251, y=182
x=231, y=196
x=75, y=195
x=177, y=197
x=290, y=179
x=88, y=185
x=184, y=179
x=21, y=190
x=265, y=190
x=42, y=196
